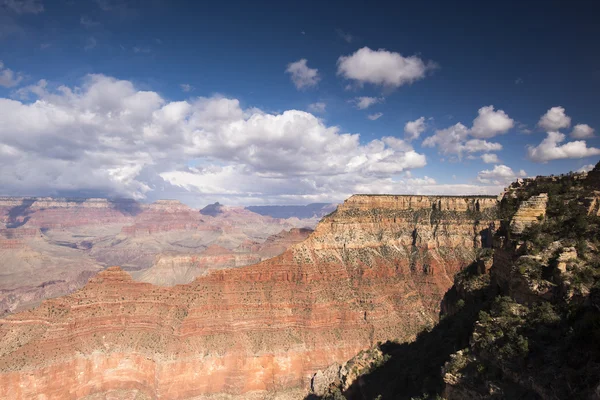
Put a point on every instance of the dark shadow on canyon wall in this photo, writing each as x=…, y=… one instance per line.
x=19, y=211
x=414, y=368
x=126, y=206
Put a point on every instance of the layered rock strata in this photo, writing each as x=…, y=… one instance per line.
x=50, y=246
x=376, y=269
x=530, y=211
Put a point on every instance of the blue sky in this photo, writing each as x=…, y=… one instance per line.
x=249, y=122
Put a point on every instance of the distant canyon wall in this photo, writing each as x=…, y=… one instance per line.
x=375, y=269
x=51, y=246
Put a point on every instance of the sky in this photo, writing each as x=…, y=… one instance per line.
x=269, y=102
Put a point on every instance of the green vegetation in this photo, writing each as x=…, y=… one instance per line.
x=530, y=328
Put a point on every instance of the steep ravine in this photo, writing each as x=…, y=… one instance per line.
x=376, y=269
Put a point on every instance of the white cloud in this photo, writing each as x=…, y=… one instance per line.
x=490, y=158
x=8, y=78
x=422, y=181
x=449, y=140
x=90, y=43
x=500, y=175
x=303, y=76
x=523, y=128
x=477, y=145
x=490, y=123
x=366, y=102
x=23, y=6
x=549, y=149
x=413, y=129
x=586, y=168
x=582, y=131
x=375, y=116
x=186, y=87
x=317, y=108
x=106, y=137
x=554, y=119
x=382, y=67
x=453, y=141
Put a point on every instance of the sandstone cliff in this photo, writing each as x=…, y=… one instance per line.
x=375, y=269
x=521, y=322
x=50, y=246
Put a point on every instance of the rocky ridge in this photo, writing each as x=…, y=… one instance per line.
x=519, y=322
x=376, y=269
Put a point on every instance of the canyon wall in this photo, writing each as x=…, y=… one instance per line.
x=51, y=246
x=375, y=269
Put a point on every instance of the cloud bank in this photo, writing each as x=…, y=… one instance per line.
x=106, y=136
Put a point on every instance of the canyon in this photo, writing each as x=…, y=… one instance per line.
x=520, y=322
x=376, y=269
x=51, y=246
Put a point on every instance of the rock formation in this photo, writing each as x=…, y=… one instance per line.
x=51, y=246
x=376, y=269
x=169, y=269
x=529, y=212
x=519, y=323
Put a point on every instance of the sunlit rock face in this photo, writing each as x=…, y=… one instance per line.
x=375, y=269
x=50, y=247
x=530, y=211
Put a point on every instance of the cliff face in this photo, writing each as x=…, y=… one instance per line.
x=169, y=270
x=530, y=211
x=50, y=246
x=519, y=323
x=375, y=269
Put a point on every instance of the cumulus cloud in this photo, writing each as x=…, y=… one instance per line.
x=317, y=108
x=500, y=175
x=186, y=87
x=23, y=6
x=366, y=102
x=109, y=138
x=8, y=78
x=455, y=140
x=413, y=129
x=382, y=67
x=554, y=119
x=549, y=149
x=582, y=131
x=490, y=158
x=490, y=123
x=375, y=116
x=303, y=76
x=586, y=168
x=421, y=181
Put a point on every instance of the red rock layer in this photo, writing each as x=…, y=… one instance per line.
x=54, y=240
x=172, y=269
x=374, y=270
